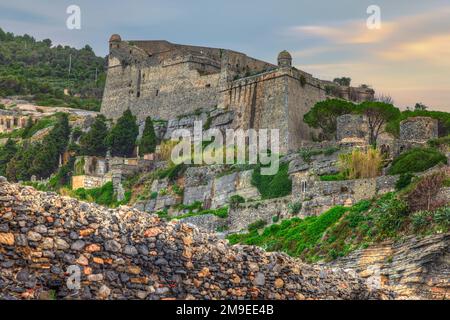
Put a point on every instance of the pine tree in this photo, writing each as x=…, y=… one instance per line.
x=148, y=140
x=122, y=137
x=93, y=143
x=7, y=152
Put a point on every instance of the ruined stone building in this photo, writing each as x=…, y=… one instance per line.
x=165, y=80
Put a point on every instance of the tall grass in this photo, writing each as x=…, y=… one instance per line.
x=361, y=164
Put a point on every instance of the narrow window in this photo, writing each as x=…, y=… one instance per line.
x=157, y=92
x=303, y=184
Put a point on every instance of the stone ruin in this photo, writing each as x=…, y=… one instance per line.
x=352, y=130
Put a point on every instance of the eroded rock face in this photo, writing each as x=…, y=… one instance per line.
x=414, y=268
x=128, y=254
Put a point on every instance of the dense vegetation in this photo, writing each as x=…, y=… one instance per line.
x=341, y=230
x=40, y=158
x=41, y=70
x=273, y=186
x=103, y=195
x=416, y=160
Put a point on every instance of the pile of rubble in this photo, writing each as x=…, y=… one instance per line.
x=54, y=247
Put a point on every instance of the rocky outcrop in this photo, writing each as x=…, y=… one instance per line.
x=413, y=268
x=46, y=239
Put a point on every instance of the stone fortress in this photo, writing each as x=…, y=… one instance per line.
x=165, y=81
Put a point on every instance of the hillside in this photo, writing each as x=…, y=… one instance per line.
x=39, y=71
x=124, y=253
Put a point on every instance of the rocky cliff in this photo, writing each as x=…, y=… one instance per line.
x=46, y=239
x=413, y=268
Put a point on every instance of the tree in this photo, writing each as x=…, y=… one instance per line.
x=7, y=152
x=40, y=158
x=122, y=137
x=423, y=196
x=344, y=81
x=420, y=107
x=324, y=114
x=148, y=140
x=46, y=158
x=93, y=143
x=377, y=114
x=385, y=98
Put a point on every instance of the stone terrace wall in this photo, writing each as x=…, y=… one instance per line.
x=127, y=254
x=242, y=216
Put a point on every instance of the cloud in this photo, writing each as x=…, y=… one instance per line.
x=352, y=32
x=408, y=58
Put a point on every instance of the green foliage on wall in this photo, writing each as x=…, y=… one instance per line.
x=273, y=186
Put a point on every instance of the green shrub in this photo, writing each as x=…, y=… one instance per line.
x=275, y=219
x=294, y=207
x=273, y=186
x=154, y=195
x=390, y=215
x=173, y=172
x=294, y=236
x=333, y=177
x=177, y=190
x=404, y=181
x=103, y=195
x=440, y=142
x=220, y=212
x=235, y=200
x=307, y=154
x=259, y=224
x=416, y=160
x=421, y=220
x=446, y=183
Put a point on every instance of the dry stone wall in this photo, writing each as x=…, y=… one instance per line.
x=127, y=254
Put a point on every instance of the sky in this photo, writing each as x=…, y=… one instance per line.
x=408, y=58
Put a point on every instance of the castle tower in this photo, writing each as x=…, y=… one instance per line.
x=284, y=59
x=114, y=41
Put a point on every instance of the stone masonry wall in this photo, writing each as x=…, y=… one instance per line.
x=241, y=216
x=127, y=254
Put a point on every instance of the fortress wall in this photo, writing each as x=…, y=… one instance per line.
x=300, y=100
x=162, y=92
x=259, y=102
